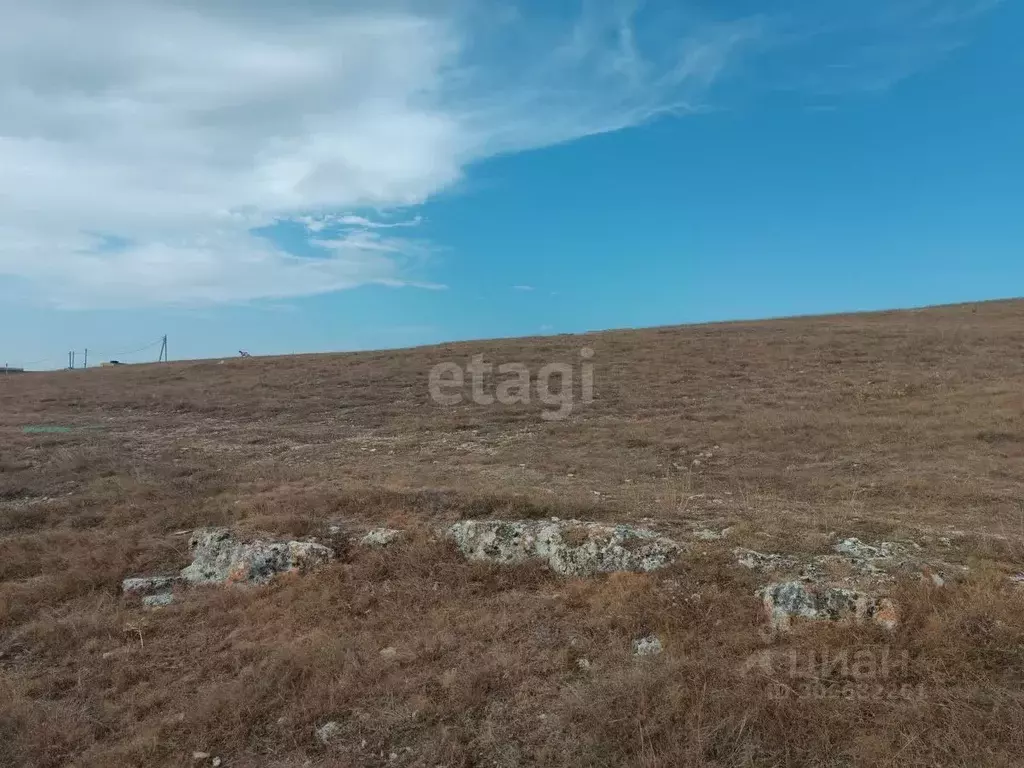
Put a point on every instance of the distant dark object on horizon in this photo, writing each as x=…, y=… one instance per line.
x=243, y=353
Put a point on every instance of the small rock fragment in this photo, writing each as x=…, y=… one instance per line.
x=158, y=600
x=706, y=534
x=859, y=551
x=381, y=537
x=328, y=732
x=647, y=646
x=148, y=585
x=761, y=561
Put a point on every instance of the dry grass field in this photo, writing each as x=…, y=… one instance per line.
x=790, y=433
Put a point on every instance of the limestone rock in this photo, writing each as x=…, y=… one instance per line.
x=148, y=585
x=159, y=600
x=328, y=732
x=709, y=534
x=568, y=547
x=762, y=561
x=381, y=537
x=647, y=646
x=857, y=550
x=789, y=600
x=220, y=558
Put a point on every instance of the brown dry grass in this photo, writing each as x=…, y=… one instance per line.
x=904, y=425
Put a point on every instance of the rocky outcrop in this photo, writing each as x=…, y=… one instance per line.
x=154, y=590
x=568, y=547
x=149, y=585
x=220, y=558
x=787, y=601
x=854, y=563
x=381, y=537
x=762, y=561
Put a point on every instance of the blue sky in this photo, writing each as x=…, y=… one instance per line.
x=337, y=176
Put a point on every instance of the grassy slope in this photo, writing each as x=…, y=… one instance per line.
x=902, y=424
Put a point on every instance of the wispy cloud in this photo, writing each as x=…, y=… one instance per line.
x=833, y=47
x=147, y=145
x=522, y=288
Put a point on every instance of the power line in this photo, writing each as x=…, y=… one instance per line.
x=150, y=345
x=72, y=357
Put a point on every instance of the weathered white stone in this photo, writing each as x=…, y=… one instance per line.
x=762, y=561
x=328, y=732
x=789, y=600
x=148, y=585
x=708, y=534
x=381, y=537
x=159, y=600
x=220, y=558
x=647, y=646
x=884, y=550
x=568, y=547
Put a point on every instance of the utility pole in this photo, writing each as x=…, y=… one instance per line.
x=86, y=364
x=71, y=361
x=163, y=350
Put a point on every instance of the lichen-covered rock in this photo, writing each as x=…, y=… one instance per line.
x=647, y=646
x=883, y=550
x=885, y=560
x=148, y=585
x=159, y=600
x=568, y=547
x=762, y=561
x=220, y=558
x=789, y=600
x=381, y=537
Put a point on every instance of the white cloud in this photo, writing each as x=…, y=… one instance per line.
x=178, y=128
x=147, y=145
x=522, y=288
